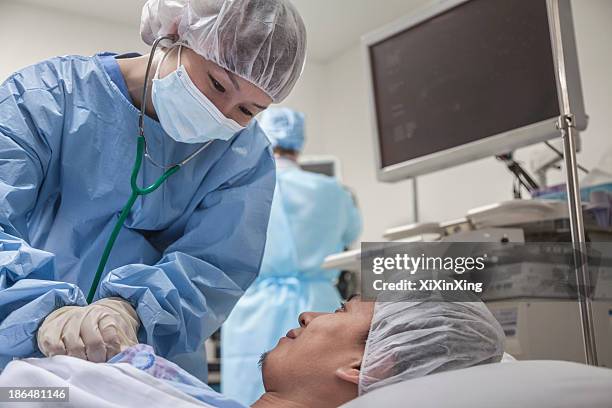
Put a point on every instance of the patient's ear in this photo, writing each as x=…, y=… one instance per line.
x=349, y=373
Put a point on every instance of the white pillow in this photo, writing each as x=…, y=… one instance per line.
x=522, y=384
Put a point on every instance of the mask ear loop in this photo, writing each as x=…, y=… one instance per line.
x=159, y=64
x=166, y=53
x=145, y=90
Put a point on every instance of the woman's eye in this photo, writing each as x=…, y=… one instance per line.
x=246, y=111
x=216, y=84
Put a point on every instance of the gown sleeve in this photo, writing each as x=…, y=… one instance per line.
x=29, y=114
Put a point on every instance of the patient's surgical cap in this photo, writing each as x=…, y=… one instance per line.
x=284, y=127
x=262, y=41
x=410, y=339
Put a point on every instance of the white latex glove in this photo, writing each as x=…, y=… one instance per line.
x=95, y=332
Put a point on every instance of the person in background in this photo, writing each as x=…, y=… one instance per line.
x=312, y=216
x=186, y=253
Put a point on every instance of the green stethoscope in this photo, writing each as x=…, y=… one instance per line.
x=141, y=151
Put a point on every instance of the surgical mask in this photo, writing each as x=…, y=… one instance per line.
x=185, y=113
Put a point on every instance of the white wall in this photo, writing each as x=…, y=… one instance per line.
x=450, y=193
x=30, y=34
x=593, y=25
x=307, y=98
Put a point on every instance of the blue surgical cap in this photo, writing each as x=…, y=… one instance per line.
x=284, y=127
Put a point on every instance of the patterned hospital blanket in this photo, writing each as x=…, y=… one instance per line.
x=134, y=378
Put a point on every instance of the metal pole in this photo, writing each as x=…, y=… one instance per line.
x=578, y=239
x=415, y=200
x=568, y=131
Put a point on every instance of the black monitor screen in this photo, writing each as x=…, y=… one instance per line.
x=479, y=69
x=326, y=168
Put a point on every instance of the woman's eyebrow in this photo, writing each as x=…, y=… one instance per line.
x=233, y=80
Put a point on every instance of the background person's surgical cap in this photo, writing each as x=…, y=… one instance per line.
x=413, y=339
x=284, y=127
x=262, y=41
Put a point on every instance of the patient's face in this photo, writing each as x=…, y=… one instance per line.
x=309, y=358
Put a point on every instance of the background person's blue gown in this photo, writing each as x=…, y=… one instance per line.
x=186, y=253
x=312, y=217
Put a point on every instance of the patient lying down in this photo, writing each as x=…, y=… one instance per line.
x=329, y=360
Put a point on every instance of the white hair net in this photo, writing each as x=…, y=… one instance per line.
x=410, y=339
x=262, y=41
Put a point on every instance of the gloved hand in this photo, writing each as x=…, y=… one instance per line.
x=95, y=332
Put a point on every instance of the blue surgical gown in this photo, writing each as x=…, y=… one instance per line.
x=186, y=253
x=312, y=217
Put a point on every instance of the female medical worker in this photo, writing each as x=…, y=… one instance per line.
x=186, y=252
x=312, y=217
